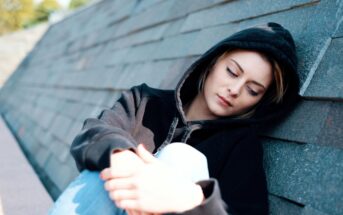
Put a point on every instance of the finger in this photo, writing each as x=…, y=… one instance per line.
x=129, y=204
x=131, y=212
x=120, y=171
x=106, y=174
x=119, y=183
x=121, y=174
x=120, y=195
x=145, y=155
x=135, y=212
x=109, y=173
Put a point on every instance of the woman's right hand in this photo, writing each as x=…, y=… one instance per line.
x=123, y=164
x=133, y=212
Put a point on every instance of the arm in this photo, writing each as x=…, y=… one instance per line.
x=112, y=130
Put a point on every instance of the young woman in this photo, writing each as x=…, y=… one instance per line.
x=236, y=88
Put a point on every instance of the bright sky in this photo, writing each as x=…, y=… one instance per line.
x=63, y=3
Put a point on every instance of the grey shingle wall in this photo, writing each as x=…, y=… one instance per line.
x=83, y=63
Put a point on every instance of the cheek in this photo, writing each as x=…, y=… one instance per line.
x=217, y=78
x=248, y=101
x=209, y=83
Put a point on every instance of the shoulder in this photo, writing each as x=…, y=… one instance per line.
x=145, y=90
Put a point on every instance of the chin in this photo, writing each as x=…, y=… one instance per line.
x=220, y=113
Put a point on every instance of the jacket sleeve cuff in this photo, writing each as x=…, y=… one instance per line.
x=213, y=203
x=100, y=152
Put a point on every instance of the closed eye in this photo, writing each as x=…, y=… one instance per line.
x=252, y=92
x=230, y=72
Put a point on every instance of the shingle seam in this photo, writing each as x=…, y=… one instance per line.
x=282, y=139
x=315, y=66
x=339, y=23
x=287, y=199
x=307, y=4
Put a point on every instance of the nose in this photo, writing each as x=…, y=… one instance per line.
x=235, y=89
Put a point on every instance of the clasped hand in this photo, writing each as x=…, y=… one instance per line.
x=141, y=184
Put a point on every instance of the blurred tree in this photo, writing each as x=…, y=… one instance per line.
x=14, y=14
x=77, y=3
x=44, y=9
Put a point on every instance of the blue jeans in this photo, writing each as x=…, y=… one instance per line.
x=86, y=194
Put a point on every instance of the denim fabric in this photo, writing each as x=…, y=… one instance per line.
x=85, y=196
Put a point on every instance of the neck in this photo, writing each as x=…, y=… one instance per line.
x=197, y=109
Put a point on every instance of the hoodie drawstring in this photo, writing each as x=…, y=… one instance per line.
x=171, y=132
x=170, y=135
x=188, y=132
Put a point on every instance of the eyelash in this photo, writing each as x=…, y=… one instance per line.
x=230, y=72
x=251, y=92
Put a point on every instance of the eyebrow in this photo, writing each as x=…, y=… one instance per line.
x=240, y=68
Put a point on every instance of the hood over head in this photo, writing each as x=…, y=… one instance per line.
x=271, y=39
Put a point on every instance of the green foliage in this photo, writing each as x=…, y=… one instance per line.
x=44, y=9
x=14, y=14
x=77, y=3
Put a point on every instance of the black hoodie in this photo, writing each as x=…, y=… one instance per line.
x=155, y=117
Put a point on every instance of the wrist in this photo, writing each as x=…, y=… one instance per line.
x=194, y=198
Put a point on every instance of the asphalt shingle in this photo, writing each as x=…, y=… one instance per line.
x=146, y=18
x=327, y=81
x=280, y=206
x=295, y=127
x=295, y=172
x=145, y=36
x=232, y=12
x=331, y=134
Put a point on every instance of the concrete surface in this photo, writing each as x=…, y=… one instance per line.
x=21, y=192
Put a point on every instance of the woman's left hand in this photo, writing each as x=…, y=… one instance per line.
x=155, y=188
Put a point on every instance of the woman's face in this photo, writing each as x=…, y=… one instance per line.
x=236, y=82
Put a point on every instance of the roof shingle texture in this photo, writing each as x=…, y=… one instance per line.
x=83, y=63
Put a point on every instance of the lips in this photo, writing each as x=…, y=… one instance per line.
x=223, y=100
